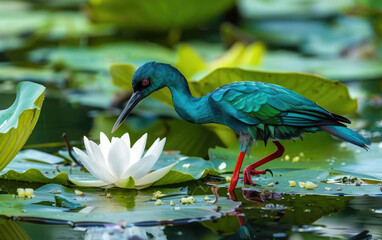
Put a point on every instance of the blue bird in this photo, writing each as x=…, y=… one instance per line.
x=254, y=110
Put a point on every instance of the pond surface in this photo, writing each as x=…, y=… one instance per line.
x=290, y=217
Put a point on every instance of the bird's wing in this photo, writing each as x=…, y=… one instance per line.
x=255, y=102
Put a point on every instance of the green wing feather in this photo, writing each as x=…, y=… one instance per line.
x=275, y=111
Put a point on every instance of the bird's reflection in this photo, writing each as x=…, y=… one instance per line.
x=260, y=196
x=239, y=214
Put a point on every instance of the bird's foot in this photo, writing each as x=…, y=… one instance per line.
x=249, y=171
x=258, y=172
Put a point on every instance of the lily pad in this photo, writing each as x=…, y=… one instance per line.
x=342, y=69
x=98, y=58
x=317, y=177
x=314, y=37
x=19, y=74
x=129, y=206
x=346, y=160
x=35, y=155
x=292, y=8
x=18, y=121
x=45, y=24
x=156, y=16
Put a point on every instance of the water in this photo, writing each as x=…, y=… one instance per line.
x=302, y=217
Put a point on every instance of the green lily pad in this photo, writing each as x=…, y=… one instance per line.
x=129, y=206
x=342, y=69
x=45, y=24
x=18, y=121
x=35, y=155
x=292, y=8
x=314, y=37
x=317, y=177
x=19, y=74
x=156, y=16
x=347, y=160
x=99, y=58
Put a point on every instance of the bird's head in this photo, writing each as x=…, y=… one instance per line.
x=148, y=78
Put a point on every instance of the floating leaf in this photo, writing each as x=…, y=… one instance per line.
x=292, y=8
x=35, y=155
x=98, y=58
x=19, y=74
x=18, y=121
x=312, y=167
x=313, y=37
x=129, y=206
x=156, y=16
x=342, y=69
x=190, y=64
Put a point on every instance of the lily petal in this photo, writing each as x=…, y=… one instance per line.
x=144, y=165
x=141, y=168
x=157, y=148
x=95, y=170
x=104, y=144
x=118, y=158
x=100, y=162
x=137, y=149
x=126, y=139
x=148, y=152
x=154, y=176
x=90, y=183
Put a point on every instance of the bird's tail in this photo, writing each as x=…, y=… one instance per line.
x=348, y=135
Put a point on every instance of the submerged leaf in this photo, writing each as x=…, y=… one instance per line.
x=18, y=121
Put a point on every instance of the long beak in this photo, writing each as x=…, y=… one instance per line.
x=134, y=100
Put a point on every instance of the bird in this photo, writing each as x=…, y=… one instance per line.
x=256, y=111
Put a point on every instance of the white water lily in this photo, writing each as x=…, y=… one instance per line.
x=116, y=163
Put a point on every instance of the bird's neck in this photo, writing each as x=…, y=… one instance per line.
x=188, y=107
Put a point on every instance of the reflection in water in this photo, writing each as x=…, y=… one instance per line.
x=239, y=214
x=116, y=233
x=270, y=215
x=263, y=196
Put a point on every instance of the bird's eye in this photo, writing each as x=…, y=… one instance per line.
x=145, y=82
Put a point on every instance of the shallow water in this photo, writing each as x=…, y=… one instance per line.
x=291, y=217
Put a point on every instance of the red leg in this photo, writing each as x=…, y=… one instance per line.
x=251, y=168
x=239, y=213
x=236, y=172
